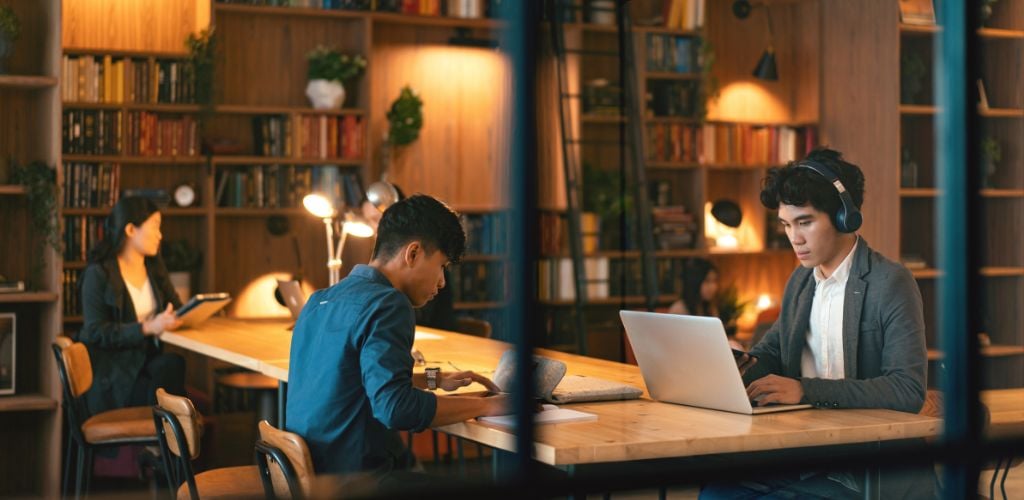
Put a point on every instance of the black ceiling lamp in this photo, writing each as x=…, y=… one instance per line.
x=766, y=68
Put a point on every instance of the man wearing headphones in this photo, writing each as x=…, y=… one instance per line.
x=851, y=330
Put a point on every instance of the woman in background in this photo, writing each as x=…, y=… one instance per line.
x=128, y=302
x=700, y=285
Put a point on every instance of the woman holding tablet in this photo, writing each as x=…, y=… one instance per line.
x=128, y=301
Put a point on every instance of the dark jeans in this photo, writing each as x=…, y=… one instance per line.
x=161, y=370
x=783, y=486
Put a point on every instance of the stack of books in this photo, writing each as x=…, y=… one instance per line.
x=674, y=227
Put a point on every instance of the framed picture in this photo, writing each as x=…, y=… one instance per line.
x=920, y=12
x=8, y=353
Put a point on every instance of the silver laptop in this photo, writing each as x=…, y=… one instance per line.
x=294, y=297
x=687, y=360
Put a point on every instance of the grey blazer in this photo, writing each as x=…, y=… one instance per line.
x=883, y=338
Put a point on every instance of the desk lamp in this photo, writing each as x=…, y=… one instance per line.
x=321, y=207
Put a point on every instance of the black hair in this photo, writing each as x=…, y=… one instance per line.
x=424, y=219
x=799, y=186
x=695, y=271
x=132, y=210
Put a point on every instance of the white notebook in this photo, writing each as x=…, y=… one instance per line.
x=551, y=414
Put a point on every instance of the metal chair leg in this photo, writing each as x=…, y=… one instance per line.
x=1006, y=472
x=992, y=483
x=88, y=470
x=67, y=467
x=79, y=464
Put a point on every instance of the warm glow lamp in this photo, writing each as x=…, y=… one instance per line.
x=322, y=208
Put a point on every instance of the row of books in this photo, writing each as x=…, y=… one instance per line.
x=670, y=53
x=478, y=282
x=320, y=137
x=685, y=14
x=106, y=79
x=728, y=144
x=89, y=185
x=673, y=98
x=284, y=186
x=415, y=7
x=72, y=297
x=744, y=144
x=606, y=278
x=486, y=234
x=80, y=234
x=674, y=227
x=135, y=133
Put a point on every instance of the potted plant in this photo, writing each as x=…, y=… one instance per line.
x=10, y=28
x=328, y=70
x=991, y=155
x=603, y=200
x=200, y=70
x=912, y=73
x=40, y=181
x=181, y=260
x=730, y=308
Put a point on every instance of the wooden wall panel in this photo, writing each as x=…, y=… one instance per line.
x=738, y=45
x=859, y=99
x=251, y=46
x=462, y=153
x=30, y=50
x=150, y=25
x=239, y=266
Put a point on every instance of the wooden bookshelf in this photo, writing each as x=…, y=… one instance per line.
x=476, y=306
x=384, y=18
x=284, y=110
x=1002, y=193
x=1000, y=112
x=916, y=109
x=30, y=129
x=919, y=192
x=136, y=160
x=27, y=402
x=283, y=160
x=668, y=75
x=992, y=351
x=27, y=82
x=602, y=119
x=12, y=190
x=27, y=297
x=260, y=212
x=135, y=106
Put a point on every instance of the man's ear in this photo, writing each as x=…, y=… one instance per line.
x=411, y=252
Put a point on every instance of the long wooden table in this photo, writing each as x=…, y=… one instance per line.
x=625, y=430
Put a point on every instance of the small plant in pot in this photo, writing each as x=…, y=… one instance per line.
x=328, y=70
x=991, y=155
x=10, y=28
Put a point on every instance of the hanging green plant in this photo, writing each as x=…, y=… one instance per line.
x=40, y=182
x=10, y=26
x=405, y=118
x=200, y=67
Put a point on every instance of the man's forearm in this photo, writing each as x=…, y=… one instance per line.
x=452, y=409
x=419, y=380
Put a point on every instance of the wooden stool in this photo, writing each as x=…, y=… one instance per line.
x=263, y=386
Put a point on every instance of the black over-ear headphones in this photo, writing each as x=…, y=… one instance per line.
x=848, y=217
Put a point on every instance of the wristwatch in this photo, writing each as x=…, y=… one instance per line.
x=433, y=376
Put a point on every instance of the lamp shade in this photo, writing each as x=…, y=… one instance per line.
x=358, y=229
x=318, y=205
x=766, y=69
x=727, y=212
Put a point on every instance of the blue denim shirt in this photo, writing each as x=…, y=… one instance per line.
x=350, y=376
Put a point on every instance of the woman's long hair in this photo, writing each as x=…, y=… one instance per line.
x=128, y=210
x=694, y=272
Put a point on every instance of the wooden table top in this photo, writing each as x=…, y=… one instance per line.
x=624, y=430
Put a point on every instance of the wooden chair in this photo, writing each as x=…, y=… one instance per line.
x=179, y=428
x=933, y=407
x=109, y=429
x=293, y=473
x=473, y=326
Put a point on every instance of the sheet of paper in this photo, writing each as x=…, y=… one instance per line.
x=427, y=336
x=551, y=415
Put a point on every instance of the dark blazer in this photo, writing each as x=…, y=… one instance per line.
x=113, y=334
x=884, y=351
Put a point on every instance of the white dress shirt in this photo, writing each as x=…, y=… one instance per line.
x=823, y=353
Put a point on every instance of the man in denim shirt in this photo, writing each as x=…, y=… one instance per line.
x=351, y=386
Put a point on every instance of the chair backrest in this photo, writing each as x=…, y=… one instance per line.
x=294, y=471
x=188, y=421
x=473, y=326
x=75, y=373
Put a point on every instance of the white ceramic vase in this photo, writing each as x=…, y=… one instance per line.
x=324, y=94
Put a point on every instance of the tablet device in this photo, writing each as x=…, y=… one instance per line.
x=200, y=307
